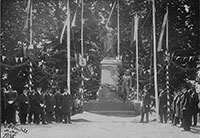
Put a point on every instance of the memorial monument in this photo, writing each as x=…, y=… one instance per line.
x=108, y=100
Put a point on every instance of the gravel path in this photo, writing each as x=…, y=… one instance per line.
x=87, y=125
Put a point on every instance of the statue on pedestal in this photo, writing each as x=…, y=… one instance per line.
x=108, y=38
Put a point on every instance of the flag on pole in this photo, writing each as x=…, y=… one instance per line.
x=162, y=32
x=28, y=14
x=132, y=32
x=73, y=24
x=63, y=30
x=110, y=14
x=134, y=29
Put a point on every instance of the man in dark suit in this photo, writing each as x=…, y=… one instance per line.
x=31, y=96
x=23, y=106
x=58, y=113
x=39, y=103
x=66, y=105
x=49, y=105
x=11, y=105
x=163, y=106
x=186, y=109
x=3, y=105
x=194, y=106
x=145, y=107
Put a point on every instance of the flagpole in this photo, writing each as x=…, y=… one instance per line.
x=137, y=66
x=167, y=66
x=82, y=28
x=82, y=23
x=68, y=47
x=155, y=62
x=31, y=24
x=31, y=43
x=167, y=35
x=118, y=35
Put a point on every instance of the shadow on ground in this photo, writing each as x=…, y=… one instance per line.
x=80, y=120
x=195, y=129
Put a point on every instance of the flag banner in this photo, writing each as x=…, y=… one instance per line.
x=110, y=14
x=27, y=10
x=3, y=58
x=132, y=32
x=162, y=32
x=135, y=28
x=63, y=30
x=73, y=24
x=16, y=59
x=21, y=59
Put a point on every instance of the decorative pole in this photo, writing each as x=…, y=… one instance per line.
x=68, y=47
x=82, y=50
x=137, y=55
x=167, y=66
x=155, y=62
x=30, y=78
x=118, y=33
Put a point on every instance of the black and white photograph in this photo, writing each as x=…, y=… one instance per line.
x=100, y=69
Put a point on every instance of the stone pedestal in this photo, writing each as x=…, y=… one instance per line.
x=110, y=72
x=108, y=101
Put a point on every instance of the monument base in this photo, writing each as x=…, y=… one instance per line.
x=108, y=103
x=108, y=100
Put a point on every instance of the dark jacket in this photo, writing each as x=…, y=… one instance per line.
x=57, y=97
x=49, y=102
x=66, y=103
x=163, y=101
x=186, y=101
x=194, y=102
x=146, y=101
x=31, y=97
x=24, y=103
x=39, y=102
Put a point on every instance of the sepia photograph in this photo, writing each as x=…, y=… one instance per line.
x=100, y=69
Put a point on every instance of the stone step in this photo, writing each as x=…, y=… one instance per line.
x=108, y=106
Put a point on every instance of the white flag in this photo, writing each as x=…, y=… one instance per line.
x=162, y=31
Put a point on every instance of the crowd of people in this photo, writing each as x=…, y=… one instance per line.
x=35, y=106
x=183, y=107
